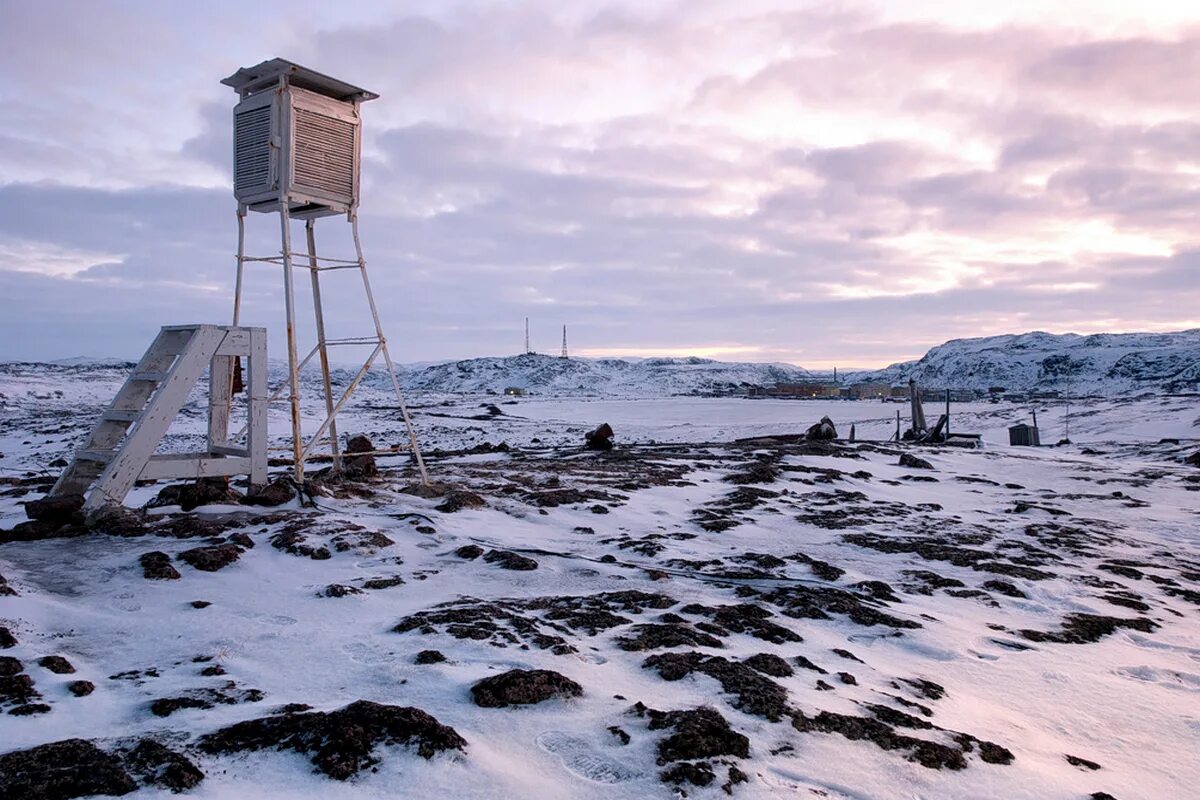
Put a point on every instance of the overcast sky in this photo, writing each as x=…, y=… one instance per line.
x=824, y=184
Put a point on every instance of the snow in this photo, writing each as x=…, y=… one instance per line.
x=1103, y=365
x=1130, y=701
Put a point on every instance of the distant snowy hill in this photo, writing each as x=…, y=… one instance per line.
x=1100, y=364
x=609, y=377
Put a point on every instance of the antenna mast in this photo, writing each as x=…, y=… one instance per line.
x=527, y=350
x=564, y=350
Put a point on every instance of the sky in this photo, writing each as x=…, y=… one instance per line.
x=825, y=184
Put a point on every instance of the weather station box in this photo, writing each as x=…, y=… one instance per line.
x=297, y=139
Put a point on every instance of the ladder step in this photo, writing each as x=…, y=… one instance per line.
x=100, y=456
x=115, y=415
x=149, y=377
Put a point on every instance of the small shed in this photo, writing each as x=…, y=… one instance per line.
x=1024, y=435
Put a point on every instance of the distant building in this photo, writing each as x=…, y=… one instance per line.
x=1024, y=435
x=514, y=391
x=870, y=391
x=797, y=391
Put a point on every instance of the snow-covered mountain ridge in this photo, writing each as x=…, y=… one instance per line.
x=1099, y=364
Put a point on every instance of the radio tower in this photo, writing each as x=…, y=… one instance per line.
x=527, y=350
x=564, y=350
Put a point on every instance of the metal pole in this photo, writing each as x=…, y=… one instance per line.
x=391, y=368
x=293, y=370
x=241, y=264
x=310, y=235
x=947, y=434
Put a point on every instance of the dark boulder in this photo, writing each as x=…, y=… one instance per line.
x=116, y=520
x=358, y=463
x=81, y=688
x=212, y=557
x=459, y=499
x=914, y=462
x=341, y=742
x=275, y=493
x=519, y=687
x=202, y=492
x=599, y=439
x=60, y=770
x=506, y=559
x=158, y=765
x=56, y=664
x=156, y=566
x=58, y=510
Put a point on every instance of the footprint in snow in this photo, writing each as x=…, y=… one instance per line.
x=1164, y=677
x=582, y=760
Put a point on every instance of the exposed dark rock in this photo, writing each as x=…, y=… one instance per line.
x=275, y=493
x=914, y=462
x=758, y=472
x=200, y=604
x=157, y=765
x=202, y=492
x=506, y=559
x=429, y=657
x=7, y=639
x=803, y=662
x=818, y=602
x=291, y=540
x=459, y=499
x=600, y=438
x=383, y=583
x=698, y=733
x=941, y=549
x=10, y=666
x=29, y=709
x=619, y=733
x=56, y=664
x=116, y=520
x=212, y=557
x=926, y=753
x=847, y=678
x=654, y=636
x=204, y=698
x=339, y=590
x=342, y=742
x=1004, y=588
x=1088, y=628
x=81, y=688
x=698, y=774
x=156, y=565
x=735, y=775
x=523, y=687
x=769, y=664
x=17, y=689
x=242, y=539
x=60, y=770
x=748, y=618
x=58, y=510
x=822, y=569
x=755, y=694
x=469, y=552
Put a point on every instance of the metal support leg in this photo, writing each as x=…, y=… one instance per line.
x=412, y=433
x=293, y=370
x=322, y=349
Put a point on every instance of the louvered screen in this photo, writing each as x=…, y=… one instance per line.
x=323, y=159
x=252, y=150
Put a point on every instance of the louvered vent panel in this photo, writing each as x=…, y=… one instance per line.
x=324, y=154
x=252, y=150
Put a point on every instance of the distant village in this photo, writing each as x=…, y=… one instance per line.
x=818, y=390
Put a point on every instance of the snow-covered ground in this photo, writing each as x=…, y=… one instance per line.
x=970, y=625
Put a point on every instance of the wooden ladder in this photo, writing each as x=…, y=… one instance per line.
x=120, y=449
